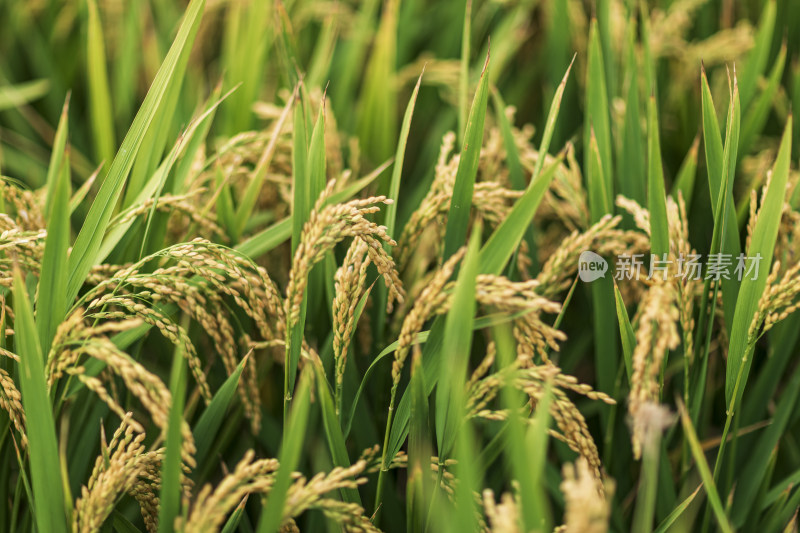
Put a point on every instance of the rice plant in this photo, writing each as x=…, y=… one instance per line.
x=399, y=266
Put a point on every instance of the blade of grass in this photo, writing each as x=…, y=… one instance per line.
x=762, y=245
x=718, y=163
x=757, y=114
x=667, y=523
x=289, y=457
x=333, y=431
x=684, y=181
x=419, y=491
x=87, y=244
x=626, y=332
x=99, y=92
x=52, y=304
x=597, y=117
x=49, y=504
x=525, y=448
x=13, y=96
x=750, y=478
x=632, y=163
x=463, y=75
x=248, y=199
x=756, y=63
x=171, y=469
x=311, y=187
x=210, y=421
x=57, y=155
x=377, y=121
x=506, y=238
x=656, y=193
x=705, y=472
x=461, y=201
x=456, y=350
x=457, y=345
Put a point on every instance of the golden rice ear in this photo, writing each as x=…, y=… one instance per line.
x=11, y=403
x=586, y=509
x=656, y=335
x=503, y=517
x=430, y=302
x=125, y=466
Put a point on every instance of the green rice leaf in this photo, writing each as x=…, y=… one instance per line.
x=171, y=468
x=419, y=491
x=205, y=431
x=57, y=155
x=49, y=500
x=684, y=181
x=597, y=115
x=757, y=114
x=720, y=171
x=667, y=523
x=626, y=332
x=333, y=430
x=461, y=201
x=705, y=472
x=52, y=304
x=506, y=238
x=250, y=195
x=463, y=74
x=656, y=195
x=289, y=456
x=399, y=158
x=755, y=468
x=99, y=91
x=377, y=121
x=457, y=344
x=12, y=96
x=632, y=162
x=87, y=244
x=756, y=63
x=599, y=202
x=515, y=173
x=762, y=245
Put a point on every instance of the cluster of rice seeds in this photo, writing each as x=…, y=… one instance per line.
x=572, y=428
x=11, y=403
x=656, y=335
x=25, y=206
x=124, y=466
x=780, y=296
x=603, y=238
x=125, y=307
x=183, y=204
x=309, y=494
x=349, y=285
x=503, y=517
x=430, y=301
x=779, y=300
x=533, y=380
x=203, y=274
x=74, y=340
x=686, y=287
x=212, y=505
x=491, y=202
x=585, y=511
x=565, y=200
x=327, y=226
x=20, y=248
x=532, y=334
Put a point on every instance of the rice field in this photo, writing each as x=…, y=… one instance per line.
x=470, y=265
